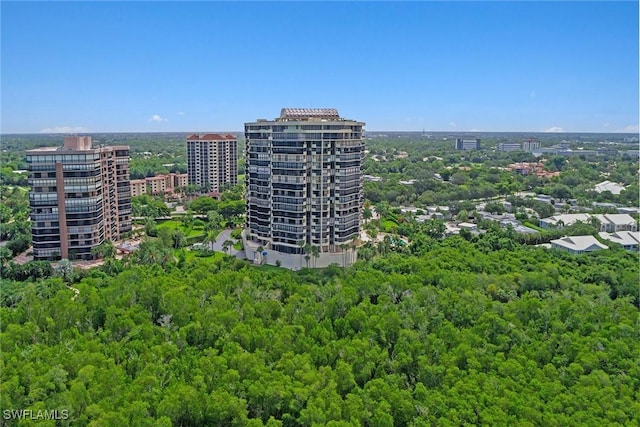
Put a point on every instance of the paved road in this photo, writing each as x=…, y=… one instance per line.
x=217, y=245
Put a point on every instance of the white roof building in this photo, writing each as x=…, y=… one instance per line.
x=628, y=239
x=613, y=187
x=578, y=244
x=616, y=222
x=608, y=222
x=565, y=220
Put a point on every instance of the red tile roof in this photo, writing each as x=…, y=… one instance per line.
x=212, y=137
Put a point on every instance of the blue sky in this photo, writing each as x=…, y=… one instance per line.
x=211, y=66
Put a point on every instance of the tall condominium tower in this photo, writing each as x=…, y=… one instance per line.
x=80, y=197
x=212, y=161
x=304, y=188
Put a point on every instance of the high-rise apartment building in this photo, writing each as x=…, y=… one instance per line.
x=212, y=161
x=304, y=188
x=80, y=197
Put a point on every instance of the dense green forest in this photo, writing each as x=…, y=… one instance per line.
x=452, y=334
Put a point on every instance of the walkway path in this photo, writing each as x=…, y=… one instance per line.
x=218, y=245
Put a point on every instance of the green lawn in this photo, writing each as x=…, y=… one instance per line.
x=388, y=225
x=177, y=225
x=190, y=256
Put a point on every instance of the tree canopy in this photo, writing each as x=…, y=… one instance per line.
x=450, y=332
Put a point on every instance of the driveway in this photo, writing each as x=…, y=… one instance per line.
x=217, y=245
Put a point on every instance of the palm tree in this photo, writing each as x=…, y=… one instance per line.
x=367, y=215
x=104, y=250
x=307, y=251
x=344, y=246
x=227, y=245
x=315, y=251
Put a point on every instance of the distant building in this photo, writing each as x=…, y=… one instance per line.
x=613, y=187
x=560, y=221
x=80, y=197
x=158, y=184
x=304, y=188
x=372, y=178
x=467, y=144
x=524, y=169
x=509, y=146
x=212, y=160
x=607, y=222
x=609, y=152
x=530, y=144
x=578, y=244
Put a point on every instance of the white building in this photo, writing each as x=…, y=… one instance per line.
x=578, y=244
x=304, y=188
x=616, y=222
x=608, y=222
x=613, y=187
x=560, y=221
x=628, y=239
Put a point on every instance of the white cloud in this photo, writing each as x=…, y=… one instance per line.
x=65, y=129
x=554, y=129
x=157, y=119
x=629, y=129
x=452, y=124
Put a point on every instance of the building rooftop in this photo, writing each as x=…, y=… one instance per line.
x=568, y=219
x=212, y=137
x=305, y=113
x=579, y=243
x=613, y=187
x=617, y=219
x=33, y=150
x=624, y=238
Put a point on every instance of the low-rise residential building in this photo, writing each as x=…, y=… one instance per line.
x=529, y=168
x=616, y=222
x=612, y=187
x=561, y=221
x=628, y=209
x=628, y=239
x=578, y=244
x=138, y=187
x=158, y=184
x=607, y=222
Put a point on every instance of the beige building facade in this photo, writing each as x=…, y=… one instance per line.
x=212, y=161
x=80, y=197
